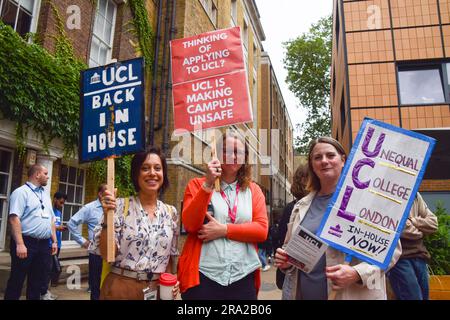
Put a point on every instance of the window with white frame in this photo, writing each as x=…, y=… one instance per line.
x=245, y=57
x=211, y=10
x=245, y=42
x=255, y=56
x=233, y=12
x=71, y=182
x=255, y=103
x=6, y=164
x=245, y=34
x=103, y=34
x=18, y=14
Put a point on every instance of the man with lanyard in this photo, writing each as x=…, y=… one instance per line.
x=91, y=214
x=54, y=269
x=32, y=226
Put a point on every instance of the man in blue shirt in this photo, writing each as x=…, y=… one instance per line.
x=32, y=226
x=91, y=214
x=54, y=270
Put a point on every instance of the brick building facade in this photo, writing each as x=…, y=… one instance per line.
x=98, y=31
x=102, y=30
x=275, y=117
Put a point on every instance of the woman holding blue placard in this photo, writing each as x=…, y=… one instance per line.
x=146, y=233
x=357, y=281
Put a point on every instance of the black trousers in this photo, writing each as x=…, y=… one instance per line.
x=52, y=274
x=208, y=289
x=33, y=267
x=56, y=270
x=95, y=275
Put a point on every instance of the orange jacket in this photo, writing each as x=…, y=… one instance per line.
x=195, y=203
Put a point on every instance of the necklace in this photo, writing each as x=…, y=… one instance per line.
x=151, y=210
x=151, y=213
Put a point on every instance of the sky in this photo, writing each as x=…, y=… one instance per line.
x=285, y=20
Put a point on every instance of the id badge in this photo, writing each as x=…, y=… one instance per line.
x=149, y=294
x=44, y=214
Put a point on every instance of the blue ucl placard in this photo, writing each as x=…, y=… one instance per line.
x=112, y=110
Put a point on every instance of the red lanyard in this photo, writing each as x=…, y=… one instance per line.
x=231, y=213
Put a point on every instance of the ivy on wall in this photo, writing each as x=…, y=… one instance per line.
x=143, y=31
x=40, y=90
x=97, y=172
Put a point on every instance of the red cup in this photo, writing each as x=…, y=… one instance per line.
x=166, y=283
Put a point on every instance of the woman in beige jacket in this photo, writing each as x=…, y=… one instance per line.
x=357, y=281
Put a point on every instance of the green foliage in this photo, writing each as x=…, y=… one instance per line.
x=39, y=90
x=97, y=171
x=308, y=62
x=438, y=244
x=143, y=30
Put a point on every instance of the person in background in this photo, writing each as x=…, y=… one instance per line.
x=32, y=227
x=90, y=214
x=262, y=254
x=274, y=231
x=298, y=190
x=54, y=269
x=326, y=160
x=220, y=257
x=409, y=276
x=269, y=247
x=146, y=233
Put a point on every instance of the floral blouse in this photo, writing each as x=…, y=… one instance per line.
x=143, y=244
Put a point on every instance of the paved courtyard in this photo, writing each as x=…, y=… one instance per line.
x=268, y=290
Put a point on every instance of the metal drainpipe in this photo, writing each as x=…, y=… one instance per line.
x=270, y=135
x=163, y=66
x=165, y=146
x=155, y=76
x=285, y=179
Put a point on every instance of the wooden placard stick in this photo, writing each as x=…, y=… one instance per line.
x=111, y=245
x=333, y=293
x=214, y=155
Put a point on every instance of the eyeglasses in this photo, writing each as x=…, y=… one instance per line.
x=231, y=153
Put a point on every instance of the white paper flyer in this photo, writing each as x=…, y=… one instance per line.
x=305, y=249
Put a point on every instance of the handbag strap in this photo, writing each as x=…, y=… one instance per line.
x=126, y=207
x=169, y=208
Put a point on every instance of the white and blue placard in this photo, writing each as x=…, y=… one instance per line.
x=112, y=110
x=375, y=192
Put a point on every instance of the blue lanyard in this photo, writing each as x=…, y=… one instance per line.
x=40, y=199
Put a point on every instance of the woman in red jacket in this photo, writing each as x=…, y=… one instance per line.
x=219, y=259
